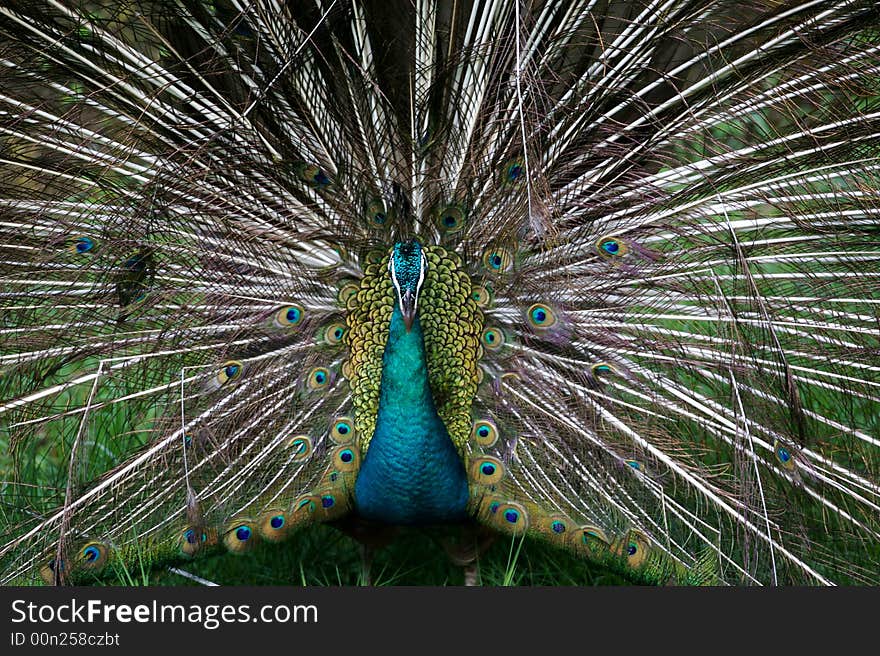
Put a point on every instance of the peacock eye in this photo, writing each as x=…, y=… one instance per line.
x=243, y=533
x=784, y=456
x=486, y=470
x=451, y=219
x=289, y=315
x=540, y=316
x=334, y=333
x=497, y=260
x=482, y=296
x=346, y=292
x=601, y=368
x=376, y=212
x=314, y=176
x=301, y=446
x=318, y=378
x=484, y=432
x=611, y=247
x=277, y=522
x=229, y=372
x=342, y=431
x=557, y=527
x=513, y=171
x=82, y=245
x=493, y=338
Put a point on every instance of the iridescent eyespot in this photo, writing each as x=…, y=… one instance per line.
x=484, y=433
x=289, y=315
x=486, y=470
x=497, y=260
x=784, y=456
x=304, y=508
x=376, y=212
x=318, y=378
x=492, y=338
x=81, y=245
x=557, y=526
x=591, y=539
x=540, y=316
x=240, y=536
x=301, y=446
x=634, y=548
x=601, y=368
x=92, y=555
x=229, y=372
x=191, y=540
x=512, y=518
x=334, y=333
x=482, y=296
x=451, y=218
x=513, y=171
x=328, y=501
x=274, y=525
x=348, y=291
x=314, y=175
x=345, y=459
x=635, y=464
x=611, y=247
x=342, y=431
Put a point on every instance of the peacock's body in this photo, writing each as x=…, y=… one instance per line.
x=598, y=273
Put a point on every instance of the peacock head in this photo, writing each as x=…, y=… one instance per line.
x=407, y=266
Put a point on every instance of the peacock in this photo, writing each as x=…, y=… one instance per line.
x=602, y=275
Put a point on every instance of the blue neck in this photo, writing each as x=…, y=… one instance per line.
x=412, y=473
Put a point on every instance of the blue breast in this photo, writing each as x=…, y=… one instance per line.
x=412, y=473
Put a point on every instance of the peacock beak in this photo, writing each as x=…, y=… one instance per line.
x=408, y=308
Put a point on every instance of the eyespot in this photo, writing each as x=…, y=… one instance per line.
x=81, y=245
x=512, y=518
x=191, y=540
x=451, y=219
x=513, y=171
x=229, y=372
x=377, y=213
x=486, y=470
x=303, y=508
x=484, y=433
x=47, y=571
x=482, y=296
x=592, y=539
x=497, y=260
x=334, y=333
x=314, y=176
x=348, y=291
x=557, y=527
x=240, y=536
x=346, y=459
x=634, y=548
x=611, y=247
x=602, y=369
x=540, y=316
x=93, y=555
x=301, y=445
x=289, y=315
x=784, y=456
x=492, y=338
x=274, y=526
x=318, y=378
x=342, y=431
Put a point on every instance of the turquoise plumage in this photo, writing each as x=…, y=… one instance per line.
x=600, y=275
